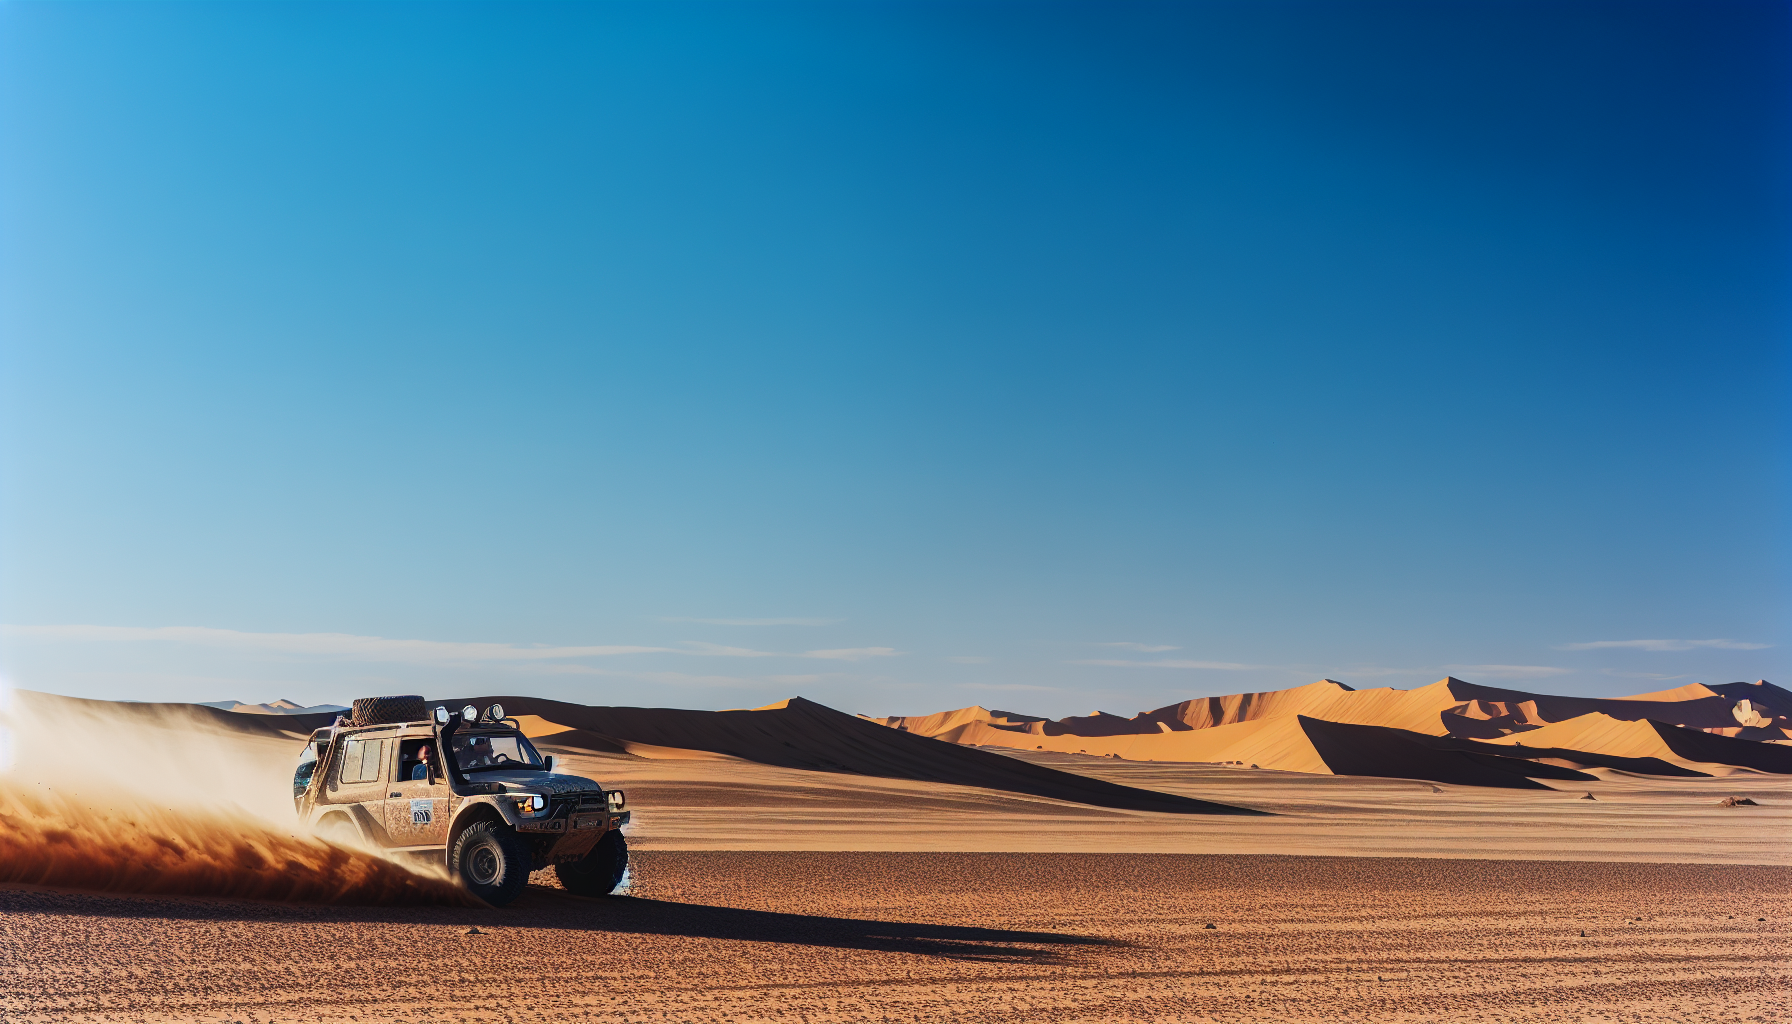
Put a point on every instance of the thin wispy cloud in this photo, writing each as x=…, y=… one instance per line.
x=338, y=645
x=709, y=650
x=837, y=654
x=1663, y=645
x=1143, y=648
x=1508, y=671
x=852, y=653
x=755, y=622
x=1223, y=666
x=686, y=679
x=350, y=647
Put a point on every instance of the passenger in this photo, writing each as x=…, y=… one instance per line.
x=473, y=752
x=424, y=769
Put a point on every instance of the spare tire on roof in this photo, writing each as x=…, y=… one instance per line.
x=386, y=710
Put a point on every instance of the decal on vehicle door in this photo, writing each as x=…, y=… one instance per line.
x=423, y=812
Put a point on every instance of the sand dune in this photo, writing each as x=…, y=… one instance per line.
x=1263, y=734
x=1698, y=729
x=1705, y=752
x=1451, y=731
x=1449, y=706
x=1269, y=742
x=1691, y=691
x=281, y=706
x=804, y=734
x=1333, y=701
x=1298, y=743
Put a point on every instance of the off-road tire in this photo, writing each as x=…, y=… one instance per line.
x=339, y=830
x=388, y=710
x=600, y=872
x=489, y=859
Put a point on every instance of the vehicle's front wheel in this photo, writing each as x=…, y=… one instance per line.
x=600, y=872
x=490, y=861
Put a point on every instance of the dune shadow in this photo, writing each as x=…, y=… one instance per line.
x=542, y=907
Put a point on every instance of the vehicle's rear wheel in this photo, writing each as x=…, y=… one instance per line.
x=600, y=872
x=339, y=830
x=491, y=862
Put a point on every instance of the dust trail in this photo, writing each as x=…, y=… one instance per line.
x=134, y=799
x=46, y=839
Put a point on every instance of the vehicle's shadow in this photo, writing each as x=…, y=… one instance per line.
x=542, y=907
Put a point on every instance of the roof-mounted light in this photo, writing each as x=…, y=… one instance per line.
x=495, y=713
x=470, y=714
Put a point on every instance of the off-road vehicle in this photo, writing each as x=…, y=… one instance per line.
x=492, y=810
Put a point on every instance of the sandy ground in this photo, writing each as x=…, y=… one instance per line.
x=822, y=937
x=772, y=894
x=739, y=805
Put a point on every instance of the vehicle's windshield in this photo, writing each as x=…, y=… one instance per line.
x=486, y=751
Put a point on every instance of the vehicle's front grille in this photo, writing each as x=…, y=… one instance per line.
x=580, y=802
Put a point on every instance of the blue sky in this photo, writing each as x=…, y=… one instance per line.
x=905, y=356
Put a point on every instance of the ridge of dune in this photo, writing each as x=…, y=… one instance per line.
x=279, y=706
x=947, y=721
x=1691, y=691
x=1275, y=743
x=1417, y=710
x=1598, y=732
x=1689, y=748
x=1266, y=743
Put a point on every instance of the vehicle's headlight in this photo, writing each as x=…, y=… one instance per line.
x=616, y=799
x=531, y=805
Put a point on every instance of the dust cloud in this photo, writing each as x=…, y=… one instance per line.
x=158, y=800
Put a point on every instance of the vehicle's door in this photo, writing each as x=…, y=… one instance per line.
x=416, y=809
x=358, y=779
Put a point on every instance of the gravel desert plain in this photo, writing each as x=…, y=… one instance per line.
x=1451, y=853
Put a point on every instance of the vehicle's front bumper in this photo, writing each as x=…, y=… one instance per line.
x=570, y=838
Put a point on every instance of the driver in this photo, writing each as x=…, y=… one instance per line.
x=425, y=768
x=479, y=752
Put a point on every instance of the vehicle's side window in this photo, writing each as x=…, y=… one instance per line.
x=351, y=761
x=361, y=760
x=410, y=759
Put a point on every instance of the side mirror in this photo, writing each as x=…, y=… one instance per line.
x=548, y=762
